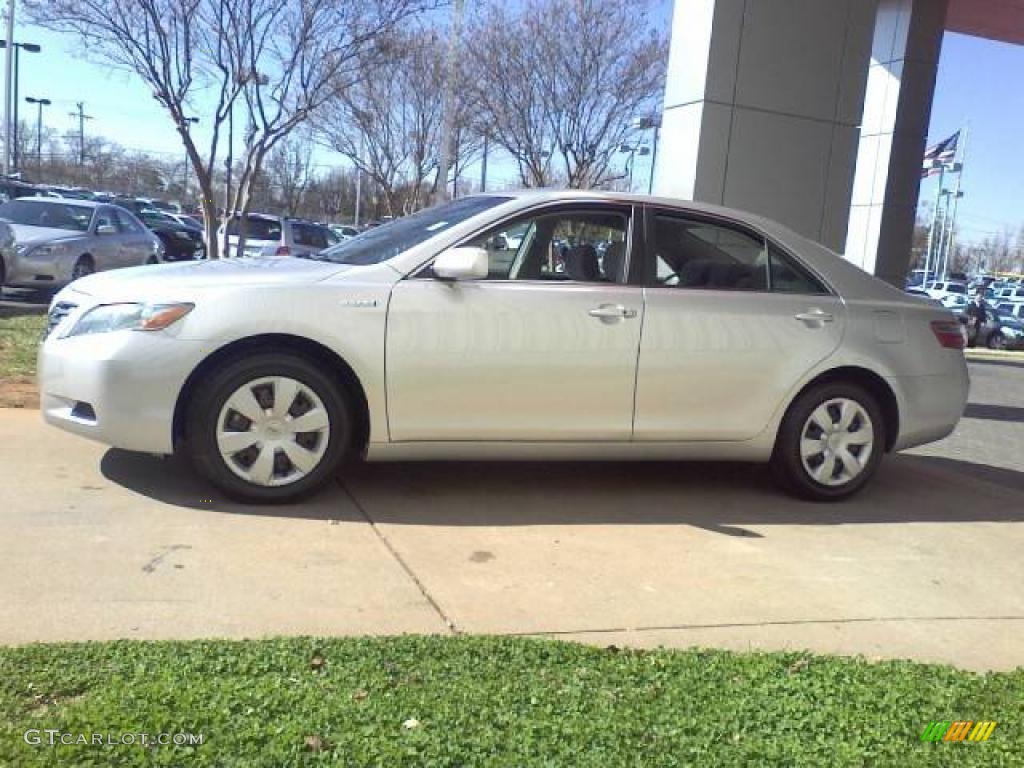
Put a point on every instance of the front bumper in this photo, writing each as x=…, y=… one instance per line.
x=26, y=271
x=130, y=381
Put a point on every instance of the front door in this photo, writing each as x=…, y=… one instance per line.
x=544, y=349
x=732, y=324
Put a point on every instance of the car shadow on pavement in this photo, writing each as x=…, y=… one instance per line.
x=17, y=303
x=720, y=497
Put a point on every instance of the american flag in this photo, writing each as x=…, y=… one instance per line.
x=939, y=154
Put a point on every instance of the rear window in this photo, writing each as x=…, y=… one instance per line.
x=257, y=229
x=956, y=288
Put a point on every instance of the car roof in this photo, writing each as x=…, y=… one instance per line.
x=68, y=200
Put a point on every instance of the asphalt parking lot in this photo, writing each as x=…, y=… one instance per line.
x=99, y=543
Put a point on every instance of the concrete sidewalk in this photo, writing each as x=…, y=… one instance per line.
x=926, y=564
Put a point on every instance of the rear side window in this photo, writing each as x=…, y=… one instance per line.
x=693, y=253
x=309, y=235
x=258, y=229
x=690, y=253
x=787, y=276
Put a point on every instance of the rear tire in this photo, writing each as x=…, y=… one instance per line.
x=251, y=404
x=830, y=442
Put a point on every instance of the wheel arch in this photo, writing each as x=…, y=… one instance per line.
x=288, y=344
x=873, y=383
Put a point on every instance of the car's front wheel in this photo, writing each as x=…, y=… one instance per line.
x=830, y=442
x=268, y=428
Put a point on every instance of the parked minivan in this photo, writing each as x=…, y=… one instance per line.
x=268, y=235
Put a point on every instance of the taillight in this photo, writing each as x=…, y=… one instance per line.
x=949, y=333
x=283, y=250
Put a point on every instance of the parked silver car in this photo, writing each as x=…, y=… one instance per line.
x=268, y=235
x=694, y=332
x=58, y=241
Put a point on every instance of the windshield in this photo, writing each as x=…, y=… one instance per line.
x=54, y=215
x=389, y=240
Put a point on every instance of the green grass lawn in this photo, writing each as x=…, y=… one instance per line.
x=432, y=701
x=19, y=337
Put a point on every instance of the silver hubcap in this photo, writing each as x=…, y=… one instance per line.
x=273, y=431
x=836, y=441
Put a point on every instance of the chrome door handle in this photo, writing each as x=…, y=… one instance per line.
x=814, y=316
x=611, y=312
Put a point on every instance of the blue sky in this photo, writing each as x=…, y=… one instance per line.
x=978, y=83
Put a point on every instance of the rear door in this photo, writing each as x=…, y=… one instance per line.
x=732, y=322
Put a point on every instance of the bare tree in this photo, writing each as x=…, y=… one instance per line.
x=288, y=173
x=559, y=83
x=389, y=125
x=280, y=60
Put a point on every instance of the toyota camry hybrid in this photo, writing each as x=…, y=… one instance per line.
x=537, y=325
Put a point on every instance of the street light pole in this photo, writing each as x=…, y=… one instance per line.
x=40, y=103
x=7, y=87
x=18, y=48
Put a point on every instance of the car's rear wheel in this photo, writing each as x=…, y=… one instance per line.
x=82, y=268
x=268, y=428
x=830, y=442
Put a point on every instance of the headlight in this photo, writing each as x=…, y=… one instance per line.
x=129, y=317
x=56, y=249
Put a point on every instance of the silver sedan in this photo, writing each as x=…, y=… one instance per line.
x=615, y=327
x=57, y=241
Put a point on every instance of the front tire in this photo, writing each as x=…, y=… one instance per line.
x=830, y=442
x=268, y=428
x=82, y=268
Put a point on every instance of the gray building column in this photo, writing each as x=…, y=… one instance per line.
x=897, y=108
x=762, y=107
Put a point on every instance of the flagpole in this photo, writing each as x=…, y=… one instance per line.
x=928, y=277
x=949, y=238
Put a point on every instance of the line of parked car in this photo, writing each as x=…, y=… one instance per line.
x=1004, y=307
x=50, y=236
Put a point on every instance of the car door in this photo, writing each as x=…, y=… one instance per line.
x=136, y=240
x=732, y=323
x=543, y=349
x=105, y=247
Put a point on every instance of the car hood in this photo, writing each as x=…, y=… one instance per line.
x=26, y=234
x=186, y=278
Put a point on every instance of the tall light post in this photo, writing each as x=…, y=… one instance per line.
x=633, y=150
x=184, y=184
x=40, y=103
x=647, y=123
x=18, y=48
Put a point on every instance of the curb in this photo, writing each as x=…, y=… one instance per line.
x=993, y=354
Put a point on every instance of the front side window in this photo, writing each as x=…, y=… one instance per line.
x=128, y=222
x=586, y=246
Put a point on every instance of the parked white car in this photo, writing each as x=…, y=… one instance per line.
x=706, y=334
x=943, y=288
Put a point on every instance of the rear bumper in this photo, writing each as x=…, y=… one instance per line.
x=929, y=406
x=129, y=380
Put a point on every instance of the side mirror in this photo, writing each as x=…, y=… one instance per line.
x=106, y=229
x=461, y=264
